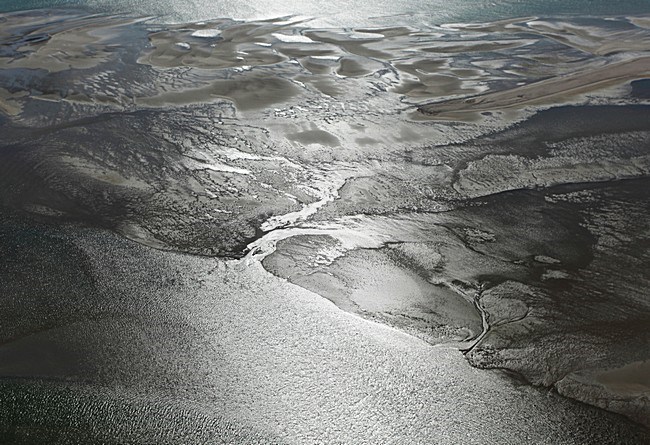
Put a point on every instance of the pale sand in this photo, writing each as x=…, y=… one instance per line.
x=625, y=389
x=630, y=379
x=249, y=91
x=79, y=44
x=8, y=103
x=550, y=91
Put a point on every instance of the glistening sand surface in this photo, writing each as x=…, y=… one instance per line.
x=294, y=160
x=140, y=345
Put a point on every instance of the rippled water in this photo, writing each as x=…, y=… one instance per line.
x=451, y=187
x=340, y=13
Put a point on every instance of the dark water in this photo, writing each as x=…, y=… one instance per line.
x=641, y=88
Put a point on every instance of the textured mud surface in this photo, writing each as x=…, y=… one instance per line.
x=105, y=340
x=464, y=189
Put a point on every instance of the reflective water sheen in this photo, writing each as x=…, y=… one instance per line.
x=427, y=227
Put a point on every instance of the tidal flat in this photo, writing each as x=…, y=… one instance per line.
x=265, y=231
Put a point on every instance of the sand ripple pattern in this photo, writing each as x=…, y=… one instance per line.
x=482, y=167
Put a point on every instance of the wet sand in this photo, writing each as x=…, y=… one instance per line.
x=501, y=229
x=109, y=340
x=546, y=92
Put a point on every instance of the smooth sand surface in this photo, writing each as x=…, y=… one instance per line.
x=545, y=92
